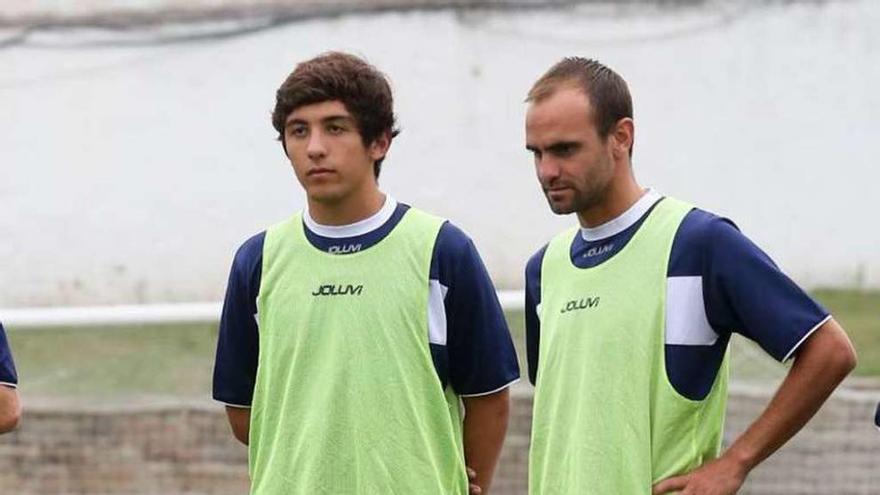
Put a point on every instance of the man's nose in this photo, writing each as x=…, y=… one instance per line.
x=547, y=169
x=316, y=148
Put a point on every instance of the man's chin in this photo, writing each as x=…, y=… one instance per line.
x=324, y=195
x=560, y=208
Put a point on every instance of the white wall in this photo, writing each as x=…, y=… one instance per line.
x=132, y=174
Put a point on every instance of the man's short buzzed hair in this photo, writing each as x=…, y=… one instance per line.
x=607, y=91
x=362, y=88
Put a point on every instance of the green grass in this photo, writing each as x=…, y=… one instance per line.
x=110, y=362
x=175, y=361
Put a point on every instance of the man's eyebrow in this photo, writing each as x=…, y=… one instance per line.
x=554, y=146
x=290, y=121
x=325, y=120
x=336, y=118
x=563, y=144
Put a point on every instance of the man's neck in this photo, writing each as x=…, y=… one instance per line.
x=348, y=211
x=620, y=197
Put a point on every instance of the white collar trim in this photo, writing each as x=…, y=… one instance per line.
x=353, y=229
x=624, y=221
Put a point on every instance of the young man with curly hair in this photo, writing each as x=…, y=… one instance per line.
x=362, y=347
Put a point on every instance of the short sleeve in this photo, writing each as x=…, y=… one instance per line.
x=482, y=359
x=8, y=375
x=235, y=367
x=747, y=293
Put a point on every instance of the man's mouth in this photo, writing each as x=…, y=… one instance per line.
x=319, y=172
x=556, y=189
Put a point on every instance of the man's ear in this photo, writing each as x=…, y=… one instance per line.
x=622, y=136
x=379, y=147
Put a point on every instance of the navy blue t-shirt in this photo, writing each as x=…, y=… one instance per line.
x=8, y=376
x=468, y=336
x=718, y=283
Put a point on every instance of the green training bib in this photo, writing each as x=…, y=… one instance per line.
x=347, y=400
x=606, y=419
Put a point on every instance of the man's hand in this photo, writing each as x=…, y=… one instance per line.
x=473, y=487
x=722, y=476
x=240, y=422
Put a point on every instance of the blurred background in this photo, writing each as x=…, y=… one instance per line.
x=136, y=154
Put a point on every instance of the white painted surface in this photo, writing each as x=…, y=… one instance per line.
x=198, y=312
x=109, y=316
x=132, y=175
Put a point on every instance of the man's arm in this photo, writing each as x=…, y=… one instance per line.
x=533, y=322
x=240, y=422
x=485, y=424
x=235, y=366
x=482, y=361
x=10, y=408
x=821, y=364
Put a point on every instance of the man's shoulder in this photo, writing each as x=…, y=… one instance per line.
x=252, y=246
x=704, y=227
x=250, y=252
x=455, y=259
x=561, y=240
x=448, y=233
x=453, y=242
x=700, y=235
x=533, y=265
x=454, y=236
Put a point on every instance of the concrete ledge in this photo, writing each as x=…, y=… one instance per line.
x=151, y=445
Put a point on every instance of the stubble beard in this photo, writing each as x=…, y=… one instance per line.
x=585, y=196
x=590, y=191
x=581, y=200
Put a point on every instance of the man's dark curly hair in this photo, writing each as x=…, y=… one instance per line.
x=362, y=88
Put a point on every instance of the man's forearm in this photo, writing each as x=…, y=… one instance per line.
x=821, y=364
x=485, y=424
x=10, y=408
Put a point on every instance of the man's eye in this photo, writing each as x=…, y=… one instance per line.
x=335, y=129
x=563, y=150
x=299, y=131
